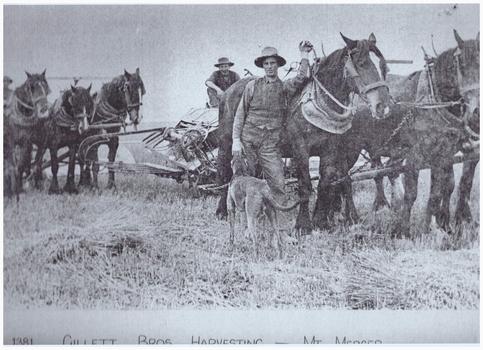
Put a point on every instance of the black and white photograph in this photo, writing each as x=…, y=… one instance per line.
x=241, y=174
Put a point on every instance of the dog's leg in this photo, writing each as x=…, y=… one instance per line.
x=231, y=215
x=272, y=217
x=243, y=222
x=253, y=206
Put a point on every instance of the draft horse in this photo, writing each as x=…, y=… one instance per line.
x=431, y=123
x=22, y=121
x=117, y=99
x=67, y=126
x=346, y=70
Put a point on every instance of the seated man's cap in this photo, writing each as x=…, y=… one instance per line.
x=224, y=60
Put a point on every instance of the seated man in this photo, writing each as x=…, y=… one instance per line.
x=220, y=80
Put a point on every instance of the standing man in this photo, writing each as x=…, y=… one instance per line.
x=260, y=117
x=220, y=80
x=7, y=92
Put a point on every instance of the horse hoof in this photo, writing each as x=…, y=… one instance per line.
x=71, y=190
x=221, y=215
x=54, y=191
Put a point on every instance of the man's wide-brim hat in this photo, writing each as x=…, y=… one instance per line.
x=224, y=60
x=269, y=52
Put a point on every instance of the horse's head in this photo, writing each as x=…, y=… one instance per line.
x=34, y=93
x=467, y=62
x=134, y=90
x=359, y=66
x=79, y=104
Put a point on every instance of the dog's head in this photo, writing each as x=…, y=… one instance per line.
x=239, y=166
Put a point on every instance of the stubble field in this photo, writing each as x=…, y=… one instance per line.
x=151, y=244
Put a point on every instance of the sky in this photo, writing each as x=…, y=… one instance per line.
x=176, y=46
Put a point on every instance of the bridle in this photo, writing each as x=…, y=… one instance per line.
x=31, y=97
x=463, y=89
x=130, y=105
x=351, y=71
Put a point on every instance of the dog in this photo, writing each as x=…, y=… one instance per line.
x=254, y=197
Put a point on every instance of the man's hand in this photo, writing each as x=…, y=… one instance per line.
x=305, y=46
x=237, y=148
x=219, y=92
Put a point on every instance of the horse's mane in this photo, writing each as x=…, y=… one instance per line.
x=65, y=101
x=331, y=74
x=333, y=63
x=118, y=83
x=84, y=98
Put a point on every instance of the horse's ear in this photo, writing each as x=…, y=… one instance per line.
x=458, y=38
x=28, y=74
x=350, y=43
x=137, y=71
x=126, y=74
x=43, y=73
x=73, y=89
x=89, y=88
x=372, y=38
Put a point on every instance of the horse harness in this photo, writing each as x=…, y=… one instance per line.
x=16, y=116
x=108, y=113
x=438, y=105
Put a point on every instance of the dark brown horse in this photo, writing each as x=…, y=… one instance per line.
x=347, y=70
x=22, y=122
x=467, y=58
x=117, y=99
x=426, y=129
x=66, y=127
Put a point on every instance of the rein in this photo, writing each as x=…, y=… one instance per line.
x=332, y=97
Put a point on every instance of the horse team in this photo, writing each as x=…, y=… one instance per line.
x=70, y=119
x=422, y=119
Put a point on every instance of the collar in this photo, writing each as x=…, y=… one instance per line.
x=267, y=81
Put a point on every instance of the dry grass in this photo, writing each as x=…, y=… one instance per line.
x=151, y=245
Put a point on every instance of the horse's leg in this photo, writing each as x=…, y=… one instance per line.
x=446, y=181
x=54, y=185
x=38, y=165
x=435, y=197
x=113, y=146
x=70, y=184
x=94, y=158
x=301, y=159
x=25, y=158
x=85, y=179
x=224, y=175
x=351, y=215
x=410, y=193
x=329, y=199
x=463, y=212
x=380, y=200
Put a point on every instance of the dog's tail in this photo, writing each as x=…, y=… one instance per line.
x=279, y=206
